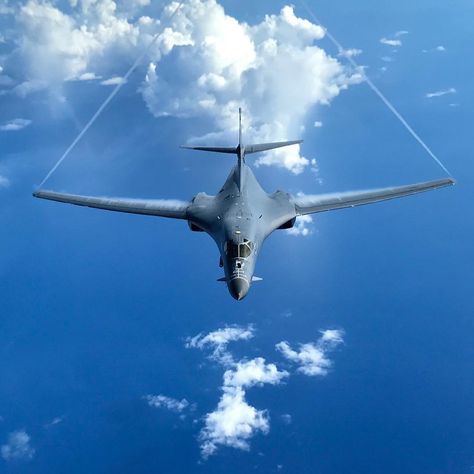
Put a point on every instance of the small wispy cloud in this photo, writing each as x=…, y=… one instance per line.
x=386, y=59
x=15, y=125
x=55, y=421
x=391, y=42
x=312, y=357
x=401, y=33
x=438, y=49
x=18, y=447
x=162, y=401
x=318, y=124
x=287, y=419
x=302, y=226
x=113, y=81
x=89, y=76
x=441, y=93
x=219, y=339
x=4, y=182
x=350, y=53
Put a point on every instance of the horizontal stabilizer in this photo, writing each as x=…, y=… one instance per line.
x=254, y=278
x=269, y=146
x=216, y=149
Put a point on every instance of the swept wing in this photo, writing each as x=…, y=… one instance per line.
x=328, y=202
x=152, y=207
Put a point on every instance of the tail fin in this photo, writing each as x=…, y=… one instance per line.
x=240, y=128
x=241, y=150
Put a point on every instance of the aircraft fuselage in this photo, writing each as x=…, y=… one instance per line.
x=239, y=218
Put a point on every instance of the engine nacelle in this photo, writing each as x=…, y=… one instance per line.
x=194, y=227
x=288, y=225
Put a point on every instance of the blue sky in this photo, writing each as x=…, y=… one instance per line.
x=99, y=309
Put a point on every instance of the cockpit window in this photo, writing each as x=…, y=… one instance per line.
x=234, y=250
x=244, y=250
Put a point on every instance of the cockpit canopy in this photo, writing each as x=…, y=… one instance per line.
x=242, y=250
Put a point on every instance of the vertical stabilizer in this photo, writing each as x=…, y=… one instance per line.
x=240, y=152
x=240, y=127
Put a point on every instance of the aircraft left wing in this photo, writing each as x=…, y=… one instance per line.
x=152, y=207
x=328, y=202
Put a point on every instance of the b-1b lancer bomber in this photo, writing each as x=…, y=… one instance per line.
x=242, y=215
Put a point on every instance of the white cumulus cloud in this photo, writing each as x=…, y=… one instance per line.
x=248, y=373
x=205, y=63
x=15, y=125
x=273, y=70
x=312, y=357
x=18, y=447
x=234, y=421
x=302, y=226
x=219, y=339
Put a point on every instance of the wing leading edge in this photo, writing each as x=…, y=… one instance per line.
x=152, y=207
x=329, y=202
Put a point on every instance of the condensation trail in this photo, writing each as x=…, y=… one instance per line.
x=108, y=100
x=376, y=90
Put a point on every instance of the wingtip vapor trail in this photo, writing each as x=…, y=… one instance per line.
x=376, y=90
x=106, y=102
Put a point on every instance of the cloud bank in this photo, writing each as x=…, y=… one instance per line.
x=206, y=63
x=234, y=421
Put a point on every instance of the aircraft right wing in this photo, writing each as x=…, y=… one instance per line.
x=151, y=207
x=328, y=202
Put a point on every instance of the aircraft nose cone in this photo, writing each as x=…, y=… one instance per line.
x=238, y=288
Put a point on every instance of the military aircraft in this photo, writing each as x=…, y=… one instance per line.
x=242, y=215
